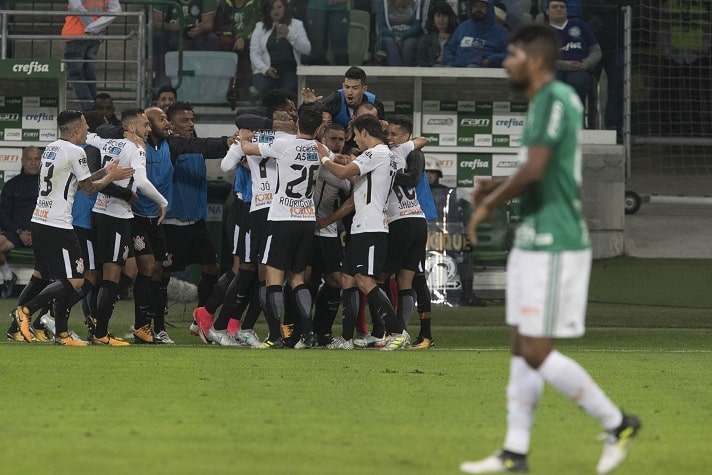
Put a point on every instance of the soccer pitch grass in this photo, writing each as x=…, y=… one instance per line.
x=190, y=408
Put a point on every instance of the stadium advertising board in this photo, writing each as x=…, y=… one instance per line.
x=473, y=124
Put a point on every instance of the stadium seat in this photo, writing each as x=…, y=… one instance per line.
x=206, y=75
x=359, y=38
x=21, y=254
x=493, y=238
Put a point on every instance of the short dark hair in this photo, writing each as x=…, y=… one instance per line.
x=334, y=126
x=67, y=117
x=103, y=95
x=277, y=98
x=539, y=40
x=163, y=89
x=402, y=121
x=366, y=105
x=177, y=107
x=309, y=120
x=130, y=114
x=354, y=72
x=94, y=119
x=370, y=124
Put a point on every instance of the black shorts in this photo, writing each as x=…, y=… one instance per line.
x=407, y=239
x=189, y=244
x=241, y=233
x=148, y=238
x=258, y=234
x=365, y=254
x=327, y=253
x=13, y=237
x=113, y=239
x=57, y=252
x=87, y=243
x=288, y=245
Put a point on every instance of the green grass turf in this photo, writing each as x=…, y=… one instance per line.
x=194, y=409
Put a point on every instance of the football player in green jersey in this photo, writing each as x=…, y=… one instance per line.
x=549, y=266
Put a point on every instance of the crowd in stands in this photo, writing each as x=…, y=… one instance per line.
x=272, y=37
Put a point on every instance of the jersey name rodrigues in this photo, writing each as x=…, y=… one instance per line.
x=297, y=162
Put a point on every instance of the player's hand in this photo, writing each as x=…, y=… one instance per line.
x=483, y=187
x=246, y=135
x=26, y=237
x=309, y=96
x=342, y=159
x=481, y=213
x=319, y=223
x=323, y=151
x=116, y=172
x=162, y=210
x=233, y=138
x=134, y=198
x=239, y=44
x=132, y=137
x=272, y=72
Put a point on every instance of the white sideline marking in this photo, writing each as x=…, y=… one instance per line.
x=583, y=350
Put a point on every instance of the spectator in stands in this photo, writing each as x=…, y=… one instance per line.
x=399, y=27
x=605, y=17
x=479, y=41
x=197, y=31
x=514, y=9
x=235, y=21
x=328, y=25
x=17, y=202
x=278, y=42
x=580, y=52
x=80, y=54
x=166, y=97
x=104, y=103
x=574, y=7
x=441, y=23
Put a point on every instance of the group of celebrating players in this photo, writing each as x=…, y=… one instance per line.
x=298, y=173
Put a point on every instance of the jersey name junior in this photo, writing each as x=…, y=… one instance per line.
x=297, y=164
x=263, y=171
x=63, y=166
x=371, y=189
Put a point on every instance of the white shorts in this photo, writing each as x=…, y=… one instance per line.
x=547, y=292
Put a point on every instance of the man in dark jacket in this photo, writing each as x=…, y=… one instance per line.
x=17, y=202
x=478, y=42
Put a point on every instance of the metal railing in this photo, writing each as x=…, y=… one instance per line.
x=125, y=74
x=126, y=56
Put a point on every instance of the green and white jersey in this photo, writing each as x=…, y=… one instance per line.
x=552, y=219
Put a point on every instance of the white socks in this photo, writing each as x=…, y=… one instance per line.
x=5, y=271
x=570, y=379
x=523, y=393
